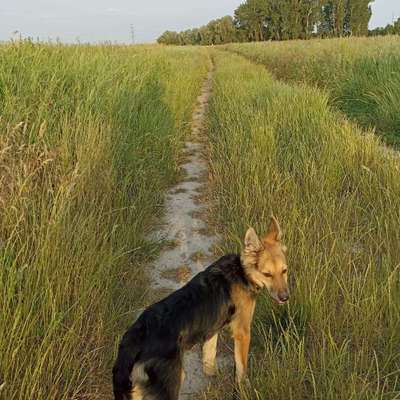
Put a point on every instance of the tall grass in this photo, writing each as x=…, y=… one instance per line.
x=279, y=149
x=89, y=139
x=362, y=75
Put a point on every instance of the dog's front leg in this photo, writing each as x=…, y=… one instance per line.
x=209, y=355
x=182, y=376
x=242, y=343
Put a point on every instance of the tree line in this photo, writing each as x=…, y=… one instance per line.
x=260, y=20
x=390, y=29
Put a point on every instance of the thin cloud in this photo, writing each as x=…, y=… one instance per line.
x=112, y=10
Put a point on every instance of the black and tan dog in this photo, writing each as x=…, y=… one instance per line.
x=149, y=362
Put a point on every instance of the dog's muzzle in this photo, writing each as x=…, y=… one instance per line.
x=283, y=297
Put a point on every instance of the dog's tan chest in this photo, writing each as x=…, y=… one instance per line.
x=244, y=302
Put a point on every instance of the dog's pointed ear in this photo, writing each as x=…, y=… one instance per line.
x=251, y=241
x=274, y=233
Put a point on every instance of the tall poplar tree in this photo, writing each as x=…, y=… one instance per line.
x=359, y=15
x=258, y=20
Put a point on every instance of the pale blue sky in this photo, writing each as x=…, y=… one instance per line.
x=100, y=20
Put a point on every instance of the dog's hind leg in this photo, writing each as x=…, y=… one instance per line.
x=165, y=379
x=209, y=355
x=139, y=380
x=137, y=393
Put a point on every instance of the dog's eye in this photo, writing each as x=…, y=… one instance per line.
x=284, y=271
x=267, y=274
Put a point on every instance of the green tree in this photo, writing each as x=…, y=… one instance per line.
x=258, y=20
x=345, y=17
x=387, y=30
x=250, y=17
x=333, y=14
x=310, y=16
x=277, y=20
x=396, y=27
x=359, y=15
x=169, y=37
x=228, y=30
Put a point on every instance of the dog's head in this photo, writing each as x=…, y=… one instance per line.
x=264, y=262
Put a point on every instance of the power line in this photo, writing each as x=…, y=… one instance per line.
x=132, y=34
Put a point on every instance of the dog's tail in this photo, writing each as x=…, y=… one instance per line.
x=128, y=353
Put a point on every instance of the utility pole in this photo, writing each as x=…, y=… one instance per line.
x=132, y=34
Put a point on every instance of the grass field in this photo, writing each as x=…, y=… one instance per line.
x=278, y=148
x=361, y=75
x=89, y=138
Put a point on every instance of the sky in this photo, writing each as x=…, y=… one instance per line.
x=106, y=20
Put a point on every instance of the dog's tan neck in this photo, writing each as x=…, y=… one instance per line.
x=247, y=261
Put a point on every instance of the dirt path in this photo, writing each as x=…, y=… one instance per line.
x=187, y=231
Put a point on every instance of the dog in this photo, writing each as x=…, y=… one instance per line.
x=149, y=361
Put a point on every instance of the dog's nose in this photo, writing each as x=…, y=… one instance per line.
x=283, y=296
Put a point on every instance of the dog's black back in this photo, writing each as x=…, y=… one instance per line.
x=154, y=344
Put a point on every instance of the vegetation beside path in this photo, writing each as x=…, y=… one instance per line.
x=89, y=139
x=279, y=148
x=360, y=75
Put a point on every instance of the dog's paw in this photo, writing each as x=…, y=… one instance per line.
x=245, y=382
x=241, y=388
